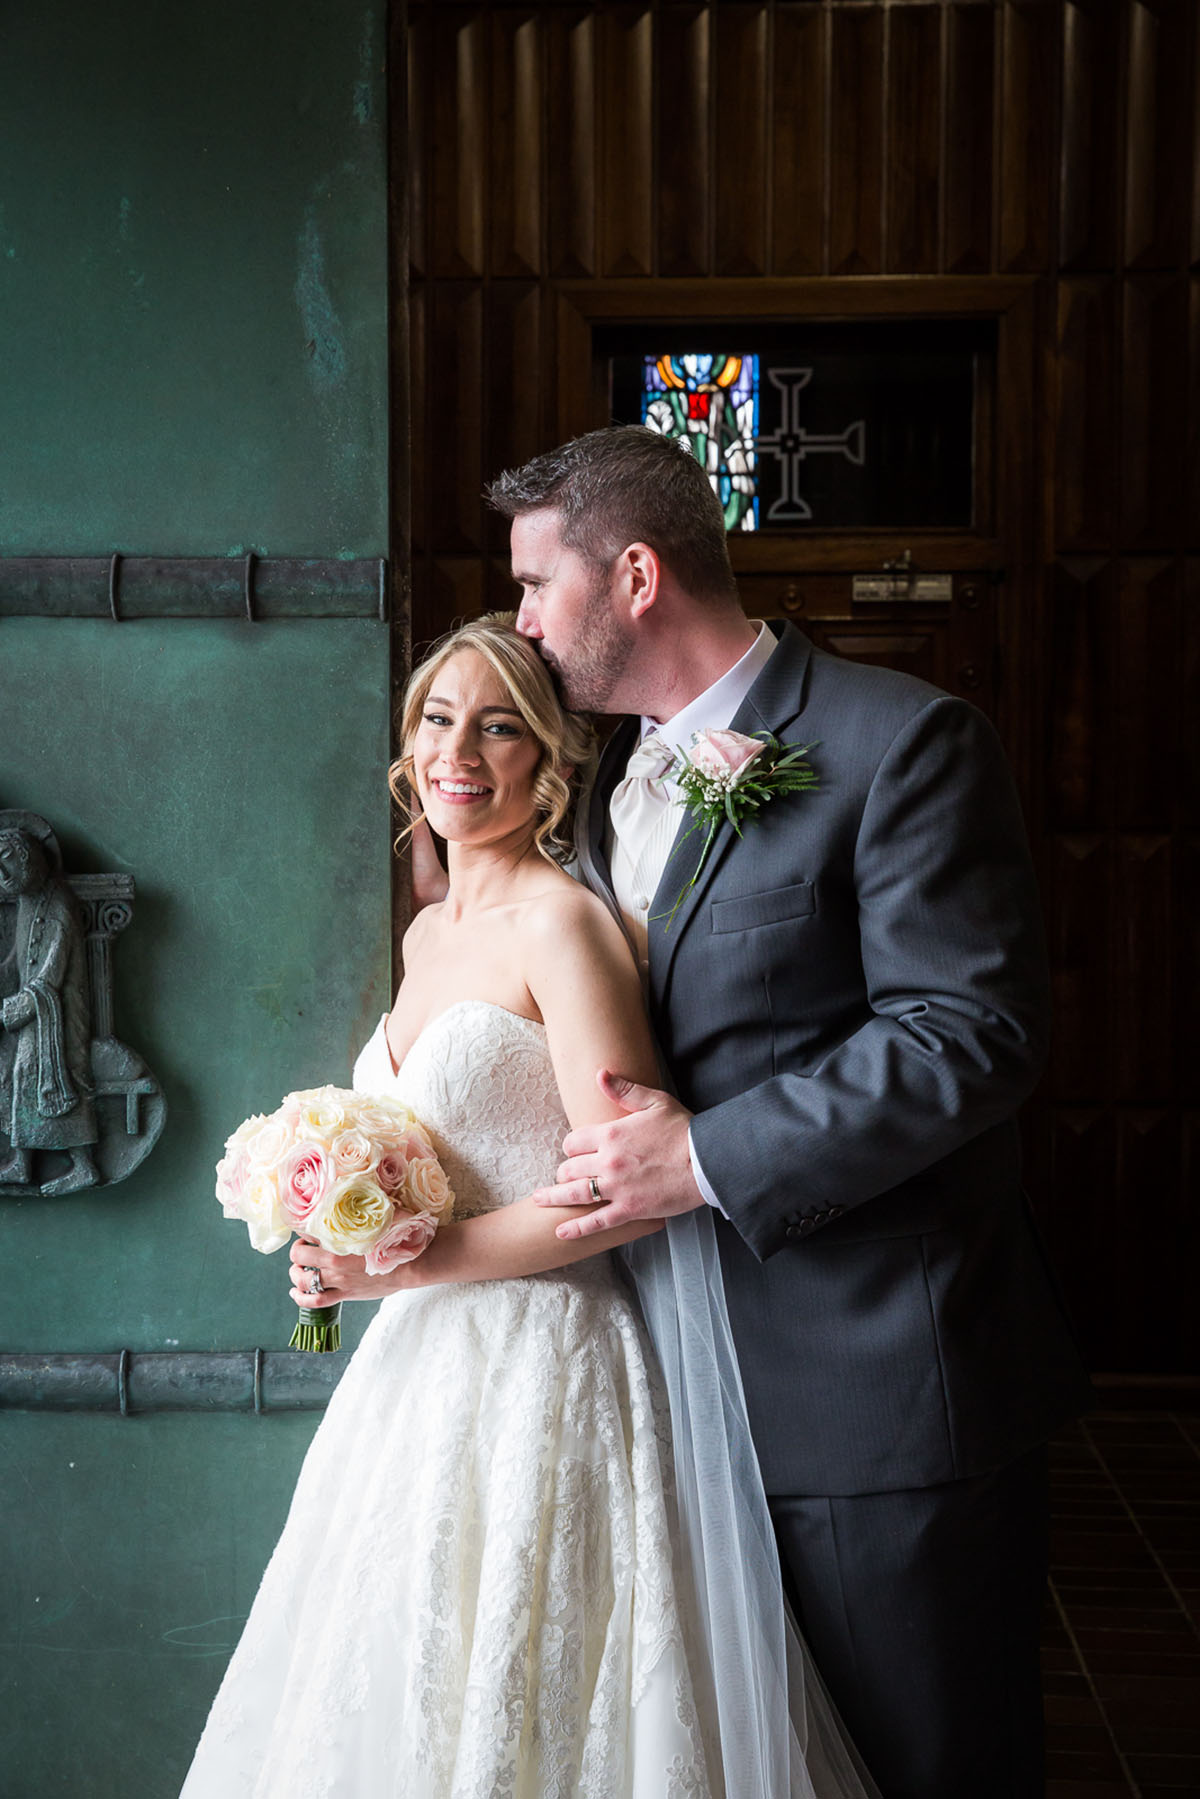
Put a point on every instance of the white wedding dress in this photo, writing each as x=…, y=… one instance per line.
x=477, y=1593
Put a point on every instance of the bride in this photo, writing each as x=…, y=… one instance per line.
x=499, y=1577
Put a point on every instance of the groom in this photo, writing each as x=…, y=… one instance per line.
x=851, y=999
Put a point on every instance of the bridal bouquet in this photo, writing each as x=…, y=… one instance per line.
x=355, y=1172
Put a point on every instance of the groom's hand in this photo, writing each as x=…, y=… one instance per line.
x=640, y=1162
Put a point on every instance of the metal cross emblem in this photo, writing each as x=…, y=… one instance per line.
x=791, y=443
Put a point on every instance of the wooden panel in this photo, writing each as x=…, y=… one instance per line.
x=1190, y=533
x=514, y=420
x=1145, y=716
x=1143, y=1033
x=800, y=88
x=1187, y=974
x=1090, y=143
x=571, y=142
x=417, y=465
x=1154, y=409
x=1085, y=424
x=455, y=415
x=625, y=190
x=1082, y=1162
x=970, y=74
x=418, y=143
x=1080, y=893
x=1150, y=1299
x=856, y=143
x=458, y=182
x=1028, y=80
x=919, y=651
x=1189, y=702
x=740, y=170
x=1158, y=177
x=514, y=144
x=913, y=138
x=1079, y=734
x=681, y=88
x=455, y=592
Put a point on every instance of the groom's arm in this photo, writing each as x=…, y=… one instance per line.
x=954, y=965
x=954, y=961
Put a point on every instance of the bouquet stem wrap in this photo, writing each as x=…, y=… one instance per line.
x=319, y=1330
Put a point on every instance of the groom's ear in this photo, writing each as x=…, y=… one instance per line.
x=641, y=571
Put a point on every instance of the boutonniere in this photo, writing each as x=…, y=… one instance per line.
x=728, y=776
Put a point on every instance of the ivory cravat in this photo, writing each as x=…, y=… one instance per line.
x=644, y=820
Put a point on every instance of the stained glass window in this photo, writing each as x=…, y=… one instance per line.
x=711, y=403
x=818, y=426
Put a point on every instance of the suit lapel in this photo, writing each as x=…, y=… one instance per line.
x=772, y=704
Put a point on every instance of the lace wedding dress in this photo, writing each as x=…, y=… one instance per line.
x=475, y=1595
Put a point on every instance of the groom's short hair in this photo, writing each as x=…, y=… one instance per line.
x=627, y=484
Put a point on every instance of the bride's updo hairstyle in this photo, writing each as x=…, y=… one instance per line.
x=566, y=739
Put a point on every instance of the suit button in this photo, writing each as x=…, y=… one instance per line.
x=805, y=1228
x=836, y=1211
x=793, y=1233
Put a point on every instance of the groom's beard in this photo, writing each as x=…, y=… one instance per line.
x=589, y=670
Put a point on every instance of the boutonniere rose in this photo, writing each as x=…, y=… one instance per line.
x=728, y=776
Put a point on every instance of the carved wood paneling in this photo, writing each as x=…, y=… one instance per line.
x=799, y=121
x=914, y=130
x=1090, y=142
x=1077, y=730
x=455, y=428
x=740, y=147
x=1029, y=62
x=625, y=197
x=1153, y=407
x=678, y=143
x=856, y=143
x=1081, y=928
x=1085, y=416
x=683, y=96
x=1145, y=724
x=1151, y=1304
x=570, y=156
x=457, y=103
x=514, y=149
x=1158, y=173
x=1143, y=1038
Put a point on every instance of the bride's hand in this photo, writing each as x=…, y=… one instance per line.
x=342, y=1277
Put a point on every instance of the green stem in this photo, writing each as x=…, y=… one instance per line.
x=319, y=1330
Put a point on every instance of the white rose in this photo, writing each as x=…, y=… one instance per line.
x=427, y=1188
x=352, y=1215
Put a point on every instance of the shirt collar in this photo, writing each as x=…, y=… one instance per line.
x=717, y=707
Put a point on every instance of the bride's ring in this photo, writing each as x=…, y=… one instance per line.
x=315, y=1285
x=594, y=1185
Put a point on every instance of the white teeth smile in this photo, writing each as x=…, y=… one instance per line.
x=459, y=787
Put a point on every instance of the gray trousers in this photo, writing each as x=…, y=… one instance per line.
x=923, y=1610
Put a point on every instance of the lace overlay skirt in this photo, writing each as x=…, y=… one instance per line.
x=474, y=1596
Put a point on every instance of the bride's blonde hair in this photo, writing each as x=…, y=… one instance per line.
x=566, y=739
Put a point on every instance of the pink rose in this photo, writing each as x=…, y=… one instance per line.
x=724, y=752
x=231, y=1182
x=401, y=1242
x=391, y=1169
x=304, y=1178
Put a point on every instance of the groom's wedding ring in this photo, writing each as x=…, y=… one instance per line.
x=315, y=1283
x=594, y=1185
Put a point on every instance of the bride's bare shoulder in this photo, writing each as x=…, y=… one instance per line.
x=570, y=920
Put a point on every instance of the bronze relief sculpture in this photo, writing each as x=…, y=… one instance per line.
x=61, y=1066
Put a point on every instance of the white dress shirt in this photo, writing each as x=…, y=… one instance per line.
x=634, y=884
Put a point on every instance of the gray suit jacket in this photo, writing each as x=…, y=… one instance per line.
x=854, y=1000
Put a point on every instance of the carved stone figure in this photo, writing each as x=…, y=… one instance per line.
x=58, y=1057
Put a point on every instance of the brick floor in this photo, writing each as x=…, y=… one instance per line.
x=1121, y=1646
